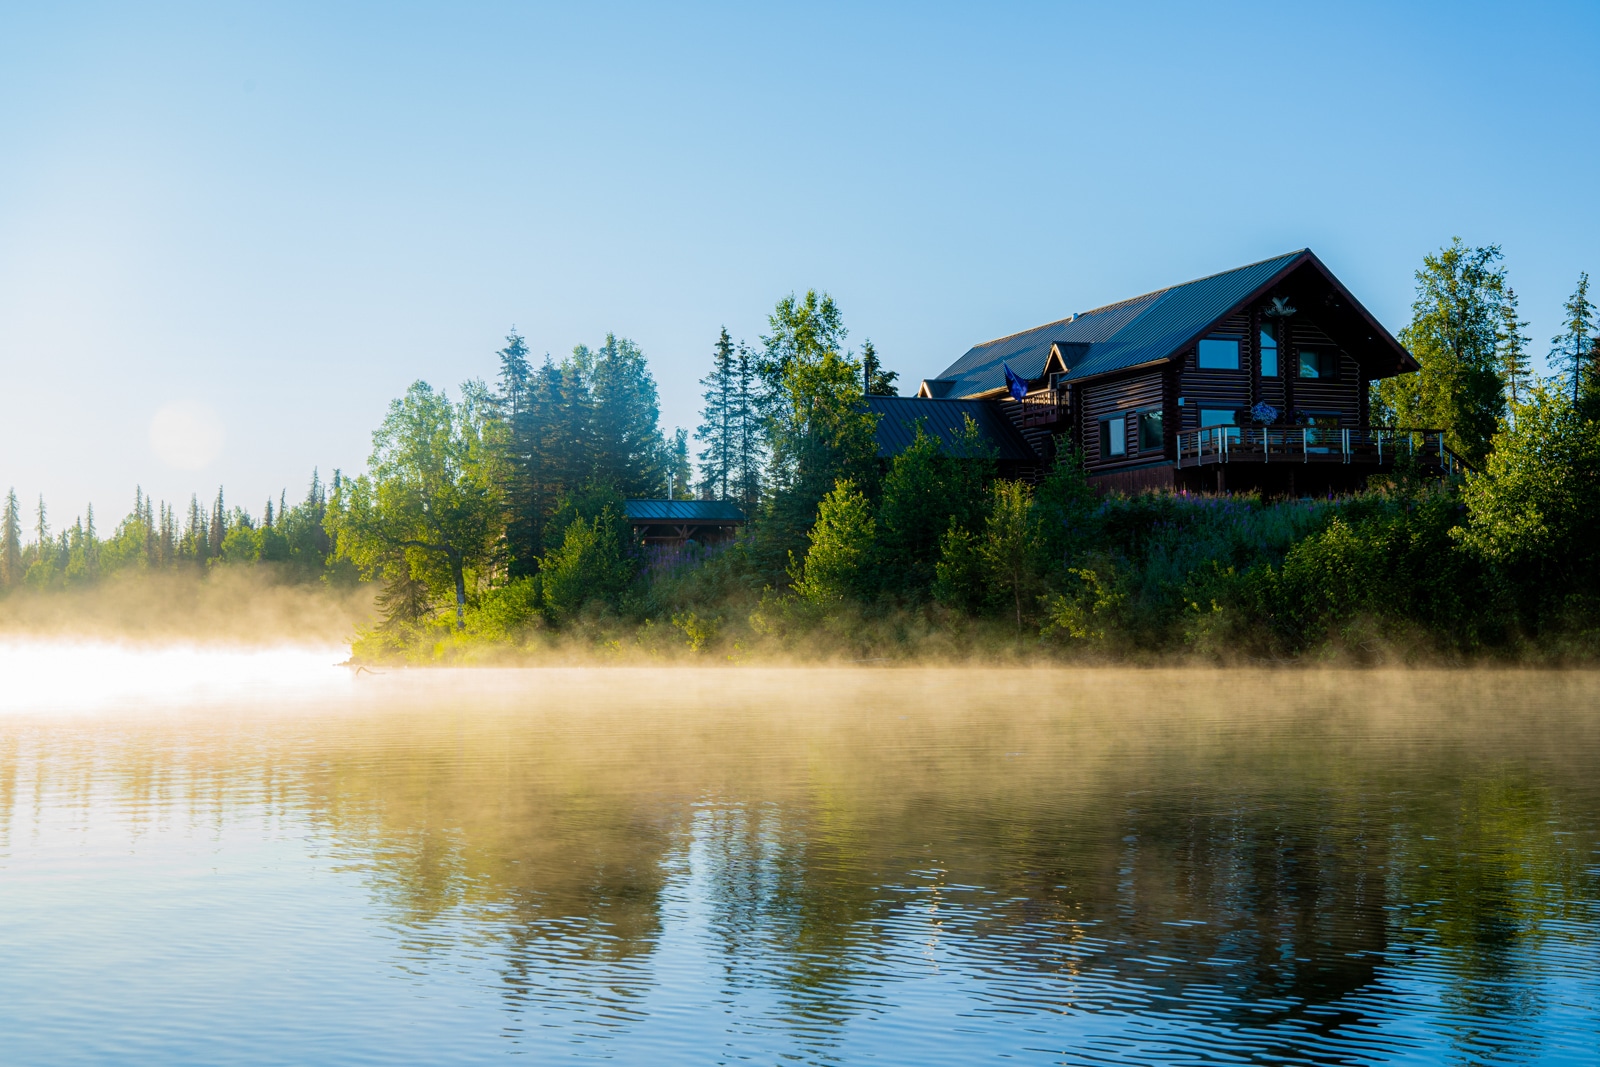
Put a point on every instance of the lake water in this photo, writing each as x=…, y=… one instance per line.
x=254, y=858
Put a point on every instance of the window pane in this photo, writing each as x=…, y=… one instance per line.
x=1219, y=354
x=1216, y=417
x=1319, y=363
x=1113, y=437
x=1150, y=431
x=1269, y=349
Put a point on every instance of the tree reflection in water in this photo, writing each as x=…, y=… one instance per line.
x=1274, y=859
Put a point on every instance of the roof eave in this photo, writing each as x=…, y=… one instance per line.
x=1097, y=375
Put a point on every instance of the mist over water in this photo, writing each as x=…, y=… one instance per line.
x=250, y=856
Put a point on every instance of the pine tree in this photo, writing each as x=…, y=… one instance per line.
x=1571, y=347
x=515, y=375
x=11, y=543
x=41, y=528
x=266, y=520
x=1511, y=345
x=719, y=430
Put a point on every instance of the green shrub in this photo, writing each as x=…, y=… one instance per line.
x=594, y=564
x=837, y=566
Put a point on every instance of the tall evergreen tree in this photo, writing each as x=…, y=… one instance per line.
x=167, y=539
x=680, y=472
x=1570, y=348
x=194, y=536
x=91, y=543
x=628, y=446
x=219, y=525
x=718, y=430
x=11, y=542
x=747, y=477
x=550, y=454
x=1512, y=349
x=1454, y=334
x=515, y=375
x=41, y=528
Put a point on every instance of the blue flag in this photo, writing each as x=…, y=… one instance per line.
x=1017, y=387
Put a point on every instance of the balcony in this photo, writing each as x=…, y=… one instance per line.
x=1044, y=407
x=1376, y=446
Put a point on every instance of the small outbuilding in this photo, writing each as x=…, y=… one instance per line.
x=672, y=522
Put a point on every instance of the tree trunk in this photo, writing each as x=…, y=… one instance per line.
x=459, y=574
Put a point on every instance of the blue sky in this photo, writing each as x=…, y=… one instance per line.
x=277, y=216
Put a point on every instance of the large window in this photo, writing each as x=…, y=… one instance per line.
x=1210, y=417
x=1319, y=363
x=1150, y=432
x=1219, y=353
x=1113, y=437
x=1268, y=343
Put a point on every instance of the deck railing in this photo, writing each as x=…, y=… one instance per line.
x=1043, y=406
x=1313, y=444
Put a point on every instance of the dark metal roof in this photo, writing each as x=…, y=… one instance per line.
x=1145, y=329
x=683, y=511
x=946, y=420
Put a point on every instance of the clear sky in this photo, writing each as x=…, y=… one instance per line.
x=256, y=224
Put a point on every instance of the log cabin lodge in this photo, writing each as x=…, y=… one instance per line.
x=1252, y=379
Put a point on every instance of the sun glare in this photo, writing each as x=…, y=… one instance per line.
x=46, y=675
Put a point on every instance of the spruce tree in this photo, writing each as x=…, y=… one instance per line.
x=718, y=430
x=194, y=536
x=41, y=528
x=1570, y=348
x=515, y=375
x=91, y=543
x=1512, y=349
x=11, y=542
x=750, y=429
x=219, y=525
x=167, y=543
x=680, y=472
x=628, y=445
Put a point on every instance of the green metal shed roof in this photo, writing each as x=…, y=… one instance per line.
x=683, y=511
